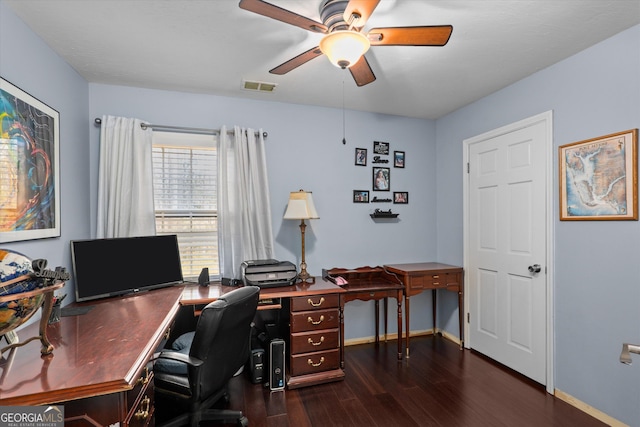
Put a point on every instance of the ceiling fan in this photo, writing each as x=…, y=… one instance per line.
x=344, y=42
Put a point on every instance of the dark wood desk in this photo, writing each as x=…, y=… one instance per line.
x=315, y=317
x=98, y=368
x=373, y=283
x=422, y=276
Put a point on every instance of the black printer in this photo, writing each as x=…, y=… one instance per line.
x=268, y=273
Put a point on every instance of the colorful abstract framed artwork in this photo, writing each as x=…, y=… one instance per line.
x=29, y=166
x=599, y=178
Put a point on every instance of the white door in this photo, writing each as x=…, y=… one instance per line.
x=506, y=245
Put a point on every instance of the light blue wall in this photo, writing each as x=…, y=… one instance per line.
x=304, y=150
x=27, y=62
x=597, y=274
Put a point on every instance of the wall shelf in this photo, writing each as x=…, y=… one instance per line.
x=383, y=214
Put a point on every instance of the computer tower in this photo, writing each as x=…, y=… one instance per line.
x=276, y=364
x=256, y=365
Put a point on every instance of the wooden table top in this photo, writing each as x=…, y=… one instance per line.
x=99, y=352
x=421, y=267
x=194, y=294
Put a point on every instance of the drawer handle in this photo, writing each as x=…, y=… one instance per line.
x=311, y=303
x=144, y=379
x=143, y=412
x=315, y=365
x=310, y=320
x=436, y=277
x=310, y=341
x=436, y=283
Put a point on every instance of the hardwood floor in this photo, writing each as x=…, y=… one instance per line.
x=439, y=385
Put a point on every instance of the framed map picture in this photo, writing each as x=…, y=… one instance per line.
x=29, y=167
x=599, y=178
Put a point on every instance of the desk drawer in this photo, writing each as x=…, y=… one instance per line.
x=305, y=342
x=446, y=280
x=435, y=281
x=315, y=320
x=319, y=361
x=142, y=413
x=314, y=302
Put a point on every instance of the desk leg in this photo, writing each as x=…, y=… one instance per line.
x=461, y=316
x=386, y=311
x=341, y=316
x=377, y=315
x=406, y=319
x=399, y=300
x=434, y=306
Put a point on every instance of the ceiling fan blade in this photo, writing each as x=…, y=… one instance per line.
x=363, y=8
x=297, y=61
x=362, y=72
x=272, y=11
x=411, y=36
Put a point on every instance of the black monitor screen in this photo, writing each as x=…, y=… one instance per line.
x=110, y=267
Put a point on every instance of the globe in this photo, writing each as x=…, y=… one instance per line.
x=15, y=269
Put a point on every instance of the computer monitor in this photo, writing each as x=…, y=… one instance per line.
x=109, y=267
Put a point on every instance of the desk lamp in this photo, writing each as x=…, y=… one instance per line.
x=301, y=207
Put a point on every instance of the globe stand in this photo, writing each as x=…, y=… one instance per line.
x=47, y=306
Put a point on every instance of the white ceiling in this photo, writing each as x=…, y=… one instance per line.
x=211, y=46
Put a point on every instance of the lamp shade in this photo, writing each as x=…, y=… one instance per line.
x=344, y=48
x=301, y=206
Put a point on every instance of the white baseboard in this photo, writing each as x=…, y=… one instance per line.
x=394, y=336
x=607, y=419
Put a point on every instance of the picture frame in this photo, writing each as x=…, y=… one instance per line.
x=400, y=197
x=29, y=167
x=381, y=179
x=380, y=147
x=360, y=196
x=361, y=157
x=398, y=159
x=599, y=178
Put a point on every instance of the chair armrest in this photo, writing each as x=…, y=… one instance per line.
x=180, y=357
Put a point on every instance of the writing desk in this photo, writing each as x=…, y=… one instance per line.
x=373, y=283
x=314, y=314
x=422, y=276
x=98, y=368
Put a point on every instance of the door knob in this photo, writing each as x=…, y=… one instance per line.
x=535, y=268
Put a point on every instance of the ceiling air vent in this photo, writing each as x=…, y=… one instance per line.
x=258, y=86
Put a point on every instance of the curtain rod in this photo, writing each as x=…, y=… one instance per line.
x=98, y=121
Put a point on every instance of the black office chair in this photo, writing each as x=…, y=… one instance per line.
x=195, y=373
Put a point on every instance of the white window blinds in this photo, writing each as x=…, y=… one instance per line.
x=184, y=182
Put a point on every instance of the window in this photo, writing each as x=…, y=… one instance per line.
x=184, y=184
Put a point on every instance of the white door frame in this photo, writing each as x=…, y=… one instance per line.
x=546, y=117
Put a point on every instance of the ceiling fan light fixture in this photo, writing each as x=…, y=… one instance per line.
x=344, y=48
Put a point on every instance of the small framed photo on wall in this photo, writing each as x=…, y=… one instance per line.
x=380, y=147
x=400, y=197
x=361, y=157
x=360, y=196
x=398, y=159
x=381, y=179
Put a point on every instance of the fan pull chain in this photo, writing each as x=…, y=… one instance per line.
x=344, y=139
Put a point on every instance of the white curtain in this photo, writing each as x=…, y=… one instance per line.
x=244, y=211
x=125, y=183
